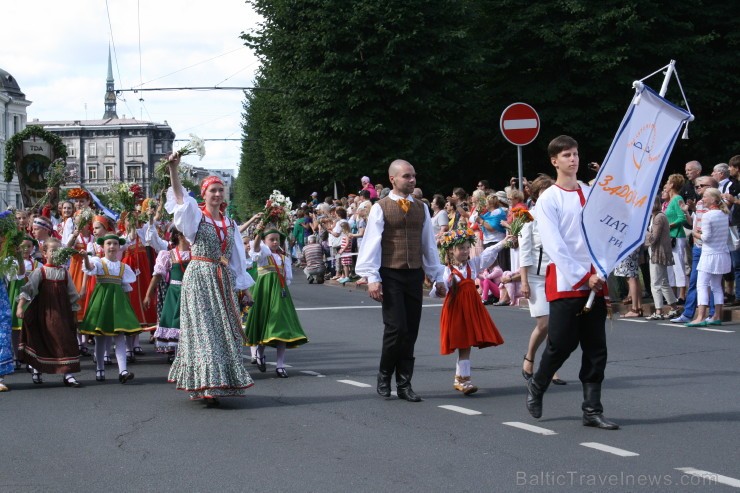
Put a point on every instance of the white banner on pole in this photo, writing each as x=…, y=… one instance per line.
x=617, y=210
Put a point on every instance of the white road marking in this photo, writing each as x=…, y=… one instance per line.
x=532, y=428
x=713, y=476
x=356, y=384
x=672, y=325
x=461, y=410
x=612, y=450
x=275, y=364
x=312, y=373
x=313, y=309
x=633, y=320
x=716, y=330
x=519, y=124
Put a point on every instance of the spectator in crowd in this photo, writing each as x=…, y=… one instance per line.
x=689, y=195
x=314, y=199
x=714, y=259
x=418, y=194
x=366, y=185
x=689, y=309
x=490, y=222
x=313, y=254
x=658, y=240
x=676, y=215
x=733, y=200
x=485, y=186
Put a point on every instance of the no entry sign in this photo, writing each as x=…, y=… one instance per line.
x=520, y=124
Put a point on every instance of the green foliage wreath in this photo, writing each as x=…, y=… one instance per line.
x=60, y=150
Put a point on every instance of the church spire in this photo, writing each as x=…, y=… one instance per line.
x=110, y=94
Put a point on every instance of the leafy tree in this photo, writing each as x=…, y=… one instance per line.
x=349, y=86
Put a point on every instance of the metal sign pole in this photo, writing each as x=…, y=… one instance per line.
x=521, y=169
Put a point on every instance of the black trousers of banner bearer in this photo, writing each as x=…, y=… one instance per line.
x=568, y=328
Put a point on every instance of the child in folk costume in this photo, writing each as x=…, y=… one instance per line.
x=101, y=226
x=79, y=240
x=109, y=314
x=273, y=320
x=49, y=338
x=26, y=265
x=345, y=252
x=42, y=230
x=144, y=244
x=65, y=227
x=464, y=321
x=171, y=265
x=252, y=270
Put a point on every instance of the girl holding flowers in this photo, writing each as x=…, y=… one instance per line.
x=273, y=320
x=109, y=314
x=464, y=322
x=49, y=339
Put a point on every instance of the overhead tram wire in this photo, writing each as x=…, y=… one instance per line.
x=199, y=88
x=141, y=77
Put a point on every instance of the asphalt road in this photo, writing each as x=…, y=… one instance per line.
x=673, y=390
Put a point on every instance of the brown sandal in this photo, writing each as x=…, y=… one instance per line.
x=633, y=313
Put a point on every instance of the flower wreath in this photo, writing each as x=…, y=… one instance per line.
x=457, y=237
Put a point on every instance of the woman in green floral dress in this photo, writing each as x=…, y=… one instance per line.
x=209, y=364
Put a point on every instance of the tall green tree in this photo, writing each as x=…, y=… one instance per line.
x=349, y=86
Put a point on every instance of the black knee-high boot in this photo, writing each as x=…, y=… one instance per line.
x=593, y=410
x=385, y=373
x=404, y=372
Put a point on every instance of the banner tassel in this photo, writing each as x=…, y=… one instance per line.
x=685, y=135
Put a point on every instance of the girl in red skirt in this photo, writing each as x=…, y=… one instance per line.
x=465, y=322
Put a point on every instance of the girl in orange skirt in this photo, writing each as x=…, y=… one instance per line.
x=464, y=322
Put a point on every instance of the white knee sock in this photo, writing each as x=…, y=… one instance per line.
x=281, y=355
x=253, y=350
x=464, y=367
x=121, y=352
x=100, y=344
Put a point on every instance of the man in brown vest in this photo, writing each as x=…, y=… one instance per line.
x=397, y=249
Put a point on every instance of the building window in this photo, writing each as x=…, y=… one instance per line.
x=92, y=173
x=109, y=149
x=92, y=149
x=109, y=174
x=134, y=173
x=71, y=151
x=133, y=148
x=138, y=148
x=129, y=148
x=158, y=148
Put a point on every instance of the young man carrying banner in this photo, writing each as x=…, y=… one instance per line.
x=569, y=279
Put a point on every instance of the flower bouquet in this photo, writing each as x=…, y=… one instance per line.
x=124, y=197
x=161, y=180
x=84, y=217
x=277, y=211
x=10, y=238
x=521, y=216
x=62, y=256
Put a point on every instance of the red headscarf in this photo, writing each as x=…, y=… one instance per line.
x=208, y=182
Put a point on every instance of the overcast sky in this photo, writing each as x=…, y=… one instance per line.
x=57, y=50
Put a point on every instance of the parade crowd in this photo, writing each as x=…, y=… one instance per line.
x=201, y=287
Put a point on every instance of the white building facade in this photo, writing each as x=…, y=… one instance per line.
x=13, y=104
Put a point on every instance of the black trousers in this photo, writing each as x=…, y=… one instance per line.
x=402, y=297
x=568, y=328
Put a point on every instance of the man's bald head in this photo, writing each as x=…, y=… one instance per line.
x=402, y=176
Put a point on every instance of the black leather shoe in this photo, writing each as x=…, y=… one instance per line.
x=281, y=373
x=408, y=395
x=384, y=385
x=534, y=400
x=212, y=402
x=599, y=421
x=72, y=382
x=261, y=365
x=125, y=376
